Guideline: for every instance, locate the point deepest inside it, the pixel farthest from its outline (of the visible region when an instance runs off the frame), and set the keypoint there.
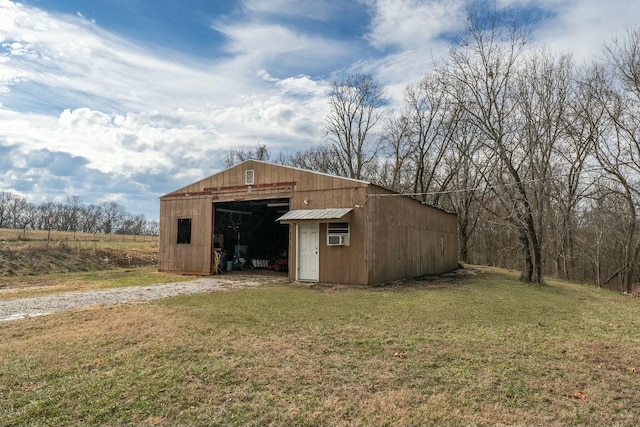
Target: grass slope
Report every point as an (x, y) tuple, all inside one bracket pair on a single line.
[(483, 350), (29, 269), (36, 261)]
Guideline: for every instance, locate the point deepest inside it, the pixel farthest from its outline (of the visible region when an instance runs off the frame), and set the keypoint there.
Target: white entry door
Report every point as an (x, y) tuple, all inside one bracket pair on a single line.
[(308, 258)]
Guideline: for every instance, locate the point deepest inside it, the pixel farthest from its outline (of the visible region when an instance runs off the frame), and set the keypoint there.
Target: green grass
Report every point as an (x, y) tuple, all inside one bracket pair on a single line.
[(483, 350)]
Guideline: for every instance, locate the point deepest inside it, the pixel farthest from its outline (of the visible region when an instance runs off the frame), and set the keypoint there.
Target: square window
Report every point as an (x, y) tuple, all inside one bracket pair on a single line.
[(184, 231)]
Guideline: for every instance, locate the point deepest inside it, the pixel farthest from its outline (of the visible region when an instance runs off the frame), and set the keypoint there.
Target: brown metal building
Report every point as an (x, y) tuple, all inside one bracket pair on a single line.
[(322, 228)]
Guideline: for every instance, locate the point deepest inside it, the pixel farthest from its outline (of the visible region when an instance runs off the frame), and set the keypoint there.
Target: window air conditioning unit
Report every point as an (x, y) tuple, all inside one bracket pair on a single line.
[(338, 234), (337, 240)]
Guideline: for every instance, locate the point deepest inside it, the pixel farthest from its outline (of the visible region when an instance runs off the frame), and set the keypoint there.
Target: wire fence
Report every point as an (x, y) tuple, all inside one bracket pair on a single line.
[(10, 238)]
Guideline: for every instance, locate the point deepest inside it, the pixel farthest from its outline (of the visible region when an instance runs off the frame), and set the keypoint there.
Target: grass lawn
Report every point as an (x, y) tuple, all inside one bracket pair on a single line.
[(484, 349)]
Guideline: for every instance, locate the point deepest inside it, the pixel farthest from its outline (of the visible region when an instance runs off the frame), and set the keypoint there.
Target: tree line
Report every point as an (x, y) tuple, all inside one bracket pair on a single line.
[(539, 157), (72, 215)]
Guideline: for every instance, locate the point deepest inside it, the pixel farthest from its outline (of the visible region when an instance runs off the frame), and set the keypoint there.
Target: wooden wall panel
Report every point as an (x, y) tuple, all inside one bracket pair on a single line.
[(345, 264), (296, 196), (193, 258), (293, 247), (409, 234)]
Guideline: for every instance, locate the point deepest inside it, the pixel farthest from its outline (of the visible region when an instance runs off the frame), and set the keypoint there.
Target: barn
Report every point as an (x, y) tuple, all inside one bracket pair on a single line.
[(318, 227)]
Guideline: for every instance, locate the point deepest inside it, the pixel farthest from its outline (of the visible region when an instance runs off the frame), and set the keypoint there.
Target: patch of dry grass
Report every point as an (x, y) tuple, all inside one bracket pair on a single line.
[(482, 350), (36, 268), (32, 261), (26, 287)]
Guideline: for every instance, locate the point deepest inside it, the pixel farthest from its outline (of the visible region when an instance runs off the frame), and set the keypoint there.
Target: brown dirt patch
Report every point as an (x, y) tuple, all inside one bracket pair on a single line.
[(436, 281)]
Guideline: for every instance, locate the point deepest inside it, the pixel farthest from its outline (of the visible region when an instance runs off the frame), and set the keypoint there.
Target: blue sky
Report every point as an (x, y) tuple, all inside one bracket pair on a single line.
[(126, 100)]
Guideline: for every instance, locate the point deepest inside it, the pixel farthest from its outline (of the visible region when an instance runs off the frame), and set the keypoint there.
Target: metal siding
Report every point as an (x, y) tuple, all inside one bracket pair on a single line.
[(405, 239), (193, 258), (314, 214)]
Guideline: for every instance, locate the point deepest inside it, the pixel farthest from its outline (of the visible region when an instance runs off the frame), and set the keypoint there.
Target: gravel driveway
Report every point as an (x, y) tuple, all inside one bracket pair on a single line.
[(38, 306)]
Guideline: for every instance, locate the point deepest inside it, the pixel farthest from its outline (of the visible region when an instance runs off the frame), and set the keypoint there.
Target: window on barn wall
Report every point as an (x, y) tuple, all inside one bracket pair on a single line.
[(338, 234), (184, 231), (248, 177)]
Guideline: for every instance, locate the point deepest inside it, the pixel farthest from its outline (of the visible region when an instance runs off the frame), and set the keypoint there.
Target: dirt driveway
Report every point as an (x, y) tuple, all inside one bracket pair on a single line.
[(38, 306), (16, 309)]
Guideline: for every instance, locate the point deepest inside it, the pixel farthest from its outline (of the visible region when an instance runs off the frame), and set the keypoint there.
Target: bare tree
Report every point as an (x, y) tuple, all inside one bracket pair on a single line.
[(239, 155), (19, 211), (90, 218), (69, 216), (469, 166), (396, 168), (543, 96), (571, 183), (600, 235), (152, 228), (356, 106), (46, 215), (319, 159), (432, 116), (132, 224), (112, 215), (5, 201), (482, 75), (616, 86)]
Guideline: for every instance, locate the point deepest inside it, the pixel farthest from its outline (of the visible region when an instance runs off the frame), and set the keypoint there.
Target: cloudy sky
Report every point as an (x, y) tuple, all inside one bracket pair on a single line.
[(127, 100)]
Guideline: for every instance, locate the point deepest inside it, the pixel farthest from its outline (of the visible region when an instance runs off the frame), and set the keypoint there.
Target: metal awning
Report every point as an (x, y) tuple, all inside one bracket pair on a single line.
[(314, 214)]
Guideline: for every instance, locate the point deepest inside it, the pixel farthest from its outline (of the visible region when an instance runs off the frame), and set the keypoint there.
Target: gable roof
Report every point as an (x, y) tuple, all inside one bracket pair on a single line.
[(302, 170), (269, 164)]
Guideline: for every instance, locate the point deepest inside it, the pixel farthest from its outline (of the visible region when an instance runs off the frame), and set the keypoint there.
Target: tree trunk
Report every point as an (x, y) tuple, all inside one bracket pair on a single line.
[(463, 240), (527, 273)]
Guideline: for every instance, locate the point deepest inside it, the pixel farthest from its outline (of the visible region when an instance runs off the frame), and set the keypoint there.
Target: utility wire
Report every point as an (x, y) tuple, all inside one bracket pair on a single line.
[(484, 187)]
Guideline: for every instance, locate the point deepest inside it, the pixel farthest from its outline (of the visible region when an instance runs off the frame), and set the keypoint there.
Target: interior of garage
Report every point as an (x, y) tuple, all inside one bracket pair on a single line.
[(247, 235)]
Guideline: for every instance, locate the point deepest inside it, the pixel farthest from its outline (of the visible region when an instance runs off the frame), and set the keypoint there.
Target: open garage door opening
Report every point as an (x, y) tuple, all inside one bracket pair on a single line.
[(247, 236)]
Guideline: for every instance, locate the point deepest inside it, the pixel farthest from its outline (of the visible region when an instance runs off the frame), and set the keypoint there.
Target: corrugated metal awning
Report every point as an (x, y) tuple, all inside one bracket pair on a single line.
[(314, 214)]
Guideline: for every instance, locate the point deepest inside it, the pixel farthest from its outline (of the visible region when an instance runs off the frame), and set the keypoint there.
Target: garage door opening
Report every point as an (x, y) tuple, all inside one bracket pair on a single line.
[(247, 237)]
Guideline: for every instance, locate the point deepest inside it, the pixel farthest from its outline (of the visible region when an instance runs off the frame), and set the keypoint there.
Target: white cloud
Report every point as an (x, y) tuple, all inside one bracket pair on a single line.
[(135, 114), (302, 85), (71, 54), (412, 24), (279, 48), (580, 27), (584, 27), (138, 122)]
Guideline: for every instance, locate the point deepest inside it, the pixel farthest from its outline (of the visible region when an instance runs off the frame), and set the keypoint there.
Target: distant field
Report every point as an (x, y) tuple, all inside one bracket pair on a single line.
[(33, 262), (11, 238), (475, 349)]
